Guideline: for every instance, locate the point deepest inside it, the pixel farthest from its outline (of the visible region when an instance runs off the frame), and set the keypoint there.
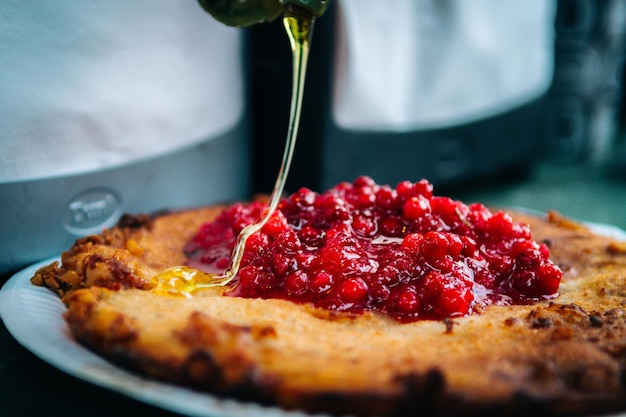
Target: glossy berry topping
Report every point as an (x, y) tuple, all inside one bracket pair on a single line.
[(401, 251)]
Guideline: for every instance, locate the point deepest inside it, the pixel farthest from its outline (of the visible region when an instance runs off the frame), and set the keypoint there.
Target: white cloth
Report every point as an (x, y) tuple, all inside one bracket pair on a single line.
[(91, 84), (418, 64)]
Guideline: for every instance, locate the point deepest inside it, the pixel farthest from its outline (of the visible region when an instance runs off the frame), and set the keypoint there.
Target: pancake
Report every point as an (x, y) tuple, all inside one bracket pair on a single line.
[(563, 356)]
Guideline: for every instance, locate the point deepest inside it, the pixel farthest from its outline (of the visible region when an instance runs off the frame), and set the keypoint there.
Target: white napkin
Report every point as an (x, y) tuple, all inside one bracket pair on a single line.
[(419, 64), (89, 84)]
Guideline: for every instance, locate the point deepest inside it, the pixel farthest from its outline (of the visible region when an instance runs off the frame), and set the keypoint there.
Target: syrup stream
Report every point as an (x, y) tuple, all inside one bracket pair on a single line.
[(184, 280)]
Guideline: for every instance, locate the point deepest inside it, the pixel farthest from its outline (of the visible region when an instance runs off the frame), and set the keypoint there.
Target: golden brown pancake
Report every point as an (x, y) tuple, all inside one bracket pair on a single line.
[(560, 357)]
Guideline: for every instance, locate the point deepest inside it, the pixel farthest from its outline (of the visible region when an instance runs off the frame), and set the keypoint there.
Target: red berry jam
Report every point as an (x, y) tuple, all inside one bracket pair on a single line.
[(362, 246)]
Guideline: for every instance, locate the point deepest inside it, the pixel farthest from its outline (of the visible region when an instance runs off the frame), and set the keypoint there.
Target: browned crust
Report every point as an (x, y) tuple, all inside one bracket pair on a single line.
[(126, 256), (564, 357)]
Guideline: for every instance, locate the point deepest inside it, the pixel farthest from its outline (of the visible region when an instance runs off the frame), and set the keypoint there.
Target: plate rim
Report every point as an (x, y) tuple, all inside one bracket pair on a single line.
[(25, 323)]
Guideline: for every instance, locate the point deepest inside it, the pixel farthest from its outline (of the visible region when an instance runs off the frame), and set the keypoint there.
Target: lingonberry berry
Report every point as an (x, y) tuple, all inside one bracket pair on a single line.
[(321, 282), (296, 282), (416, 207), (353, 290)]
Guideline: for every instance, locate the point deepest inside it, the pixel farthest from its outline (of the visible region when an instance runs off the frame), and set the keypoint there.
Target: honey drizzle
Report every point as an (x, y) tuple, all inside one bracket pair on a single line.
[(184, 280)]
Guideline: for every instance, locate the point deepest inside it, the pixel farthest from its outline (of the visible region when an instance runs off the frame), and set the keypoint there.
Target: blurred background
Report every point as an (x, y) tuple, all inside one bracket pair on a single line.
[(510, 103), (111, 106), (106, 108)]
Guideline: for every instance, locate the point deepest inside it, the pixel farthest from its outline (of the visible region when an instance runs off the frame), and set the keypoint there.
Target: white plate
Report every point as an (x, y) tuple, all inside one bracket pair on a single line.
[(33, 315)]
